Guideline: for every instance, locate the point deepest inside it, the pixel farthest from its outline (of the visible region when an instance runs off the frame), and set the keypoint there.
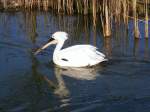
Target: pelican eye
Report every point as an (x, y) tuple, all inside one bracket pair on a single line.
[(51, 39)]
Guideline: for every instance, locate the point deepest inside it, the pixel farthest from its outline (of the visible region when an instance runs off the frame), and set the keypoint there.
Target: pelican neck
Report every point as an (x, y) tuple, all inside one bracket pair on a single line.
[(58, 47)]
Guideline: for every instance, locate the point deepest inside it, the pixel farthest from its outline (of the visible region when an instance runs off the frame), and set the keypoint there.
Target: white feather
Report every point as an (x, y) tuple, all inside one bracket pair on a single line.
[(74, 56), (79, 56)]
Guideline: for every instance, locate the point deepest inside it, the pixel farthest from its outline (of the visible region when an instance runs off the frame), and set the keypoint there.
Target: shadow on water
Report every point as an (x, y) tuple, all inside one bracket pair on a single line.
[(34, 83)]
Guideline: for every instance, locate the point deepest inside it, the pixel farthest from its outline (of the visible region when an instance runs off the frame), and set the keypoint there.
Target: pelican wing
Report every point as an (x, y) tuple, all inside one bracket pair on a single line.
[(80, 55)]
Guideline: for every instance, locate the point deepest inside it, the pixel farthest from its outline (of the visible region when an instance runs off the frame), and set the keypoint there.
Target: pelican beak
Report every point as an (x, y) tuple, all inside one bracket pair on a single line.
[(50, 42)]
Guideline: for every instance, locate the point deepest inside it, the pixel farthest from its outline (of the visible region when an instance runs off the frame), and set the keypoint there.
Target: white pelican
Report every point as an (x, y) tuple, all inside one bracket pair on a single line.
[(74, 56)]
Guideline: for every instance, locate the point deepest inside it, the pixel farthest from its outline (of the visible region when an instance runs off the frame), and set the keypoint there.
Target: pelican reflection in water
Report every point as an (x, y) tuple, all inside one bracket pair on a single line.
[(74, 56), (78, 74)]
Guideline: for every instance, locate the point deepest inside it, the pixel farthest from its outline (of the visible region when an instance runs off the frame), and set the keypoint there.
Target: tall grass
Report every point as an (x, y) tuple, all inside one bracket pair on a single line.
[(136, 28), (107, 9), (146, 18)]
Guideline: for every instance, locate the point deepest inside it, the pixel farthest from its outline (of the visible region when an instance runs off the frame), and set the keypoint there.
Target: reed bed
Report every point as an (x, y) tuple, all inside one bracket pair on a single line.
[(108, 10)]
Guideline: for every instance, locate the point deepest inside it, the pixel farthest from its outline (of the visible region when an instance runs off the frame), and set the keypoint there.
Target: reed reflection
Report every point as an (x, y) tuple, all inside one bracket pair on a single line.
[(94, 35), (108, 46), (33, 26), (146, 50), (76, 27), (86, 29)]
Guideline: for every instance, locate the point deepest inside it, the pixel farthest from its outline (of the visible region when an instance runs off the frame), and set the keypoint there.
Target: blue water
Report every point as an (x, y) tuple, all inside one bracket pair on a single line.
[(30, 83)]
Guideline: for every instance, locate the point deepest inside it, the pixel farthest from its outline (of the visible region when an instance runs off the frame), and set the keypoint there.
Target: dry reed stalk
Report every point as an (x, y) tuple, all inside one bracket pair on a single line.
[(94, 12), (79, 6), (85, 2), (59, 6), (4, 3), (117, 10), (63, 5), (39, 4), (45, 5), (126, 12), (31, 4), (99, 6), (53, 4), (136, 28), (106, 28), (110, 9), (69, 6), (25, 3), (18, 3), (146, 18)]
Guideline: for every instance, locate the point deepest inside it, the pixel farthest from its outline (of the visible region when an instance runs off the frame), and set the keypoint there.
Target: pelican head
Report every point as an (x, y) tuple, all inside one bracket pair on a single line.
[(57, 37), (60, 36)]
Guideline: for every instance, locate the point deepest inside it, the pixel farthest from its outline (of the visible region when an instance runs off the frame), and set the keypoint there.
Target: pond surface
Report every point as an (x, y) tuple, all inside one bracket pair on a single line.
[(30, 83)]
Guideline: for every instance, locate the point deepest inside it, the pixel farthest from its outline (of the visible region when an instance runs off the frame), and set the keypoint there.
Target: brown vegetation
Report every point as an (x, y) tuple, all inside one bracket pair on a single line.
[(107, 9)]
